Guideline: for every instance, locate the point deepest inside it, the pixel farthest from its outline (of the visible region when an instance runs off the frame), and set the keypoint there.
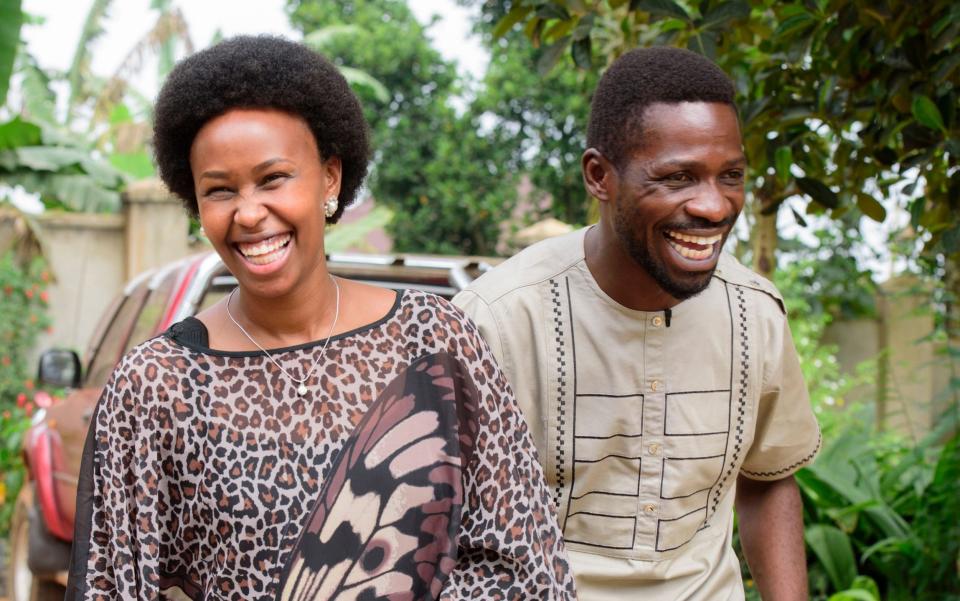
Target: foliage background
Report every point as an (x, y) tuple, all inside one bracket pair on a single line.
[(850, 113)]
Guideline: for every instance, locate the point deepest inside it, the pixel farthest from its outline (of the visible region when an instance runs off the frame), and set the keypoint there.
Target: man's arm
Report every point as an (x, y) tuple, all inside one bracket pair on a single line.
[(771, 532)]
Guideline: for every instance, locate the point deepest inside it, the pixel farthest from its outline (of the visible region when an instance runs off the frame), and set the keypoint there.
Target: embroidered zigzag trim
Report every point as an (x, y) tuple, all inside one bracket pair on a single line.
[(561, 387), (792, 466), (741, 395)]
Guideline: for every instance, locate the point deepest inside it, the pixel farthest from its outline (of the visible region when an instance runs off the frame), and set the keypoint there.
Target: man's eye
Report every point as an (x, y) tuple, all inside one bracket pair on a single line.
[(735, 175), (678, 177)]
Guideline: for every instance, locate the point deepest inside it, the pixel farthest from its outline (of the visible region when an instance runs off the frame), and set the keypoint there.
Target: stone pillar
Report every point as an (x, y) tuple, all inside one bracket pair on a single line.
[(157, 226)]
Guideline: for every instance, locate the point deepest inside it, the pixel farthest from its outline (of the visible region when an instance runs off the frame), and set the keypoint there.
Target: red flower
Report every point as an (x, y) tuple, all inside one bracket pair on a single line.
[(28, 293), (28, 409), (28, 384), (6, 415), (5, 360), (44, 296), (21, 400)]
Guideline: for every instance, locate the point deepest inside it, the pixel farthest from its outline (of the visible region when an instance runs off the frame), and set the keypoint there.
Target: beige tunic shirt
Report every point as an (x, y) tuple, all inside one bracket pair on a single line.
[(643, 420)]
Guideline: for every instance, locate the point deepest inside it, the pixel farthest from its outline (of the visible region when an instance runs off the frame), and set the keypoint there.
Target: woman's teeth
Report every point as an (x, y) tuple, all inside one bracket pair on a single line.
[(265, 251), (693, 247)]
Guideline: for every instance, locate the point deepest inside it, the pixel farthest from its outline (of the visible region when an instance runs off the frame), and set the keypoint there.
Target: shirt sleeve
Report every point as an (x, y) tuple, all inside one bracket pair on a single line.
[(510, 545), (106, 562), (787, 436)]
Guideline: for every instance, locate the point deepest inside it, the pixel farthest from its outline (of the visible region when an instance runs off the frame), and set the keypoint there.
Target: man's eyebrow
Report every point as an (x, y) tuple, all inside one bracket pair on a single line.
[(740, 161)]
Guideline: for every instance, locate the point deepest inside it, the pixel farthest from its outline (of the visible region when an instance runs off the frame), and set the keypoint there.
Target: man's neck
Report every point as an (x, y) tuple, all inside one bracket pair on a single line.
[(619, 275)]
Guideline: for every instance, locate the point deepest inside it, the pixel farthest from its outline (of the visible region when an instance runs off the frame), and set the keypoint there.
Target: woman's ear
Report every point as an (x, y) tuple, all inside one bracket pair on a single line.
[(333, 174), (599, 175)]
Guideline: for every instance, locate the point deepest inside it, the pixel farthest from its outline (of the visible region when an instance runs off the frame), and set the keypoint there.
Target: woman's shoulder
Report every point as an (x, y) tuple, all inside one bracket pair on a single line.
[(430, 308)]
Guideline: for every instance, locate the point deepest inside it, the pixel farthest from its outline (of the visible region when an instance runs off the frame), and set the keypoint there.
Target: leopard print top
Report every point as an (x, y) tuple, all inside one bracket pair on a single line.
[(210, 478)]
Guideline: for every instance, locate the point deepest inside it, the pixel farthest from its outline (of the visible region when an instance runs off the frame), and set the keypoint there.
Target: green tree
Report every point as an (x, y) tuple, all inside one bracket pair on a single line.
[(448, 189), (843, 102), (540, 119)]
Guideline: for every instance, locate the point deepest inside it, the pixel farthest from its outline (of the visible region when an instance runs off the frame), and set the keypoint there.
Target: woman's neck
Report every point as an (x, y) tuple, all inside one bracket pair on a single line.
[(304, 315)]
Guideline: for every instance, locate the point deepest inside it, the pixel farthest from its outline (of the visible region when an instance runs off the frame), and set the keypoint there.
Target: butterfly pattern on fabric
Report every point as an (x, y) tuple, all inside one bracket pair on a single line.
[(386, 520)]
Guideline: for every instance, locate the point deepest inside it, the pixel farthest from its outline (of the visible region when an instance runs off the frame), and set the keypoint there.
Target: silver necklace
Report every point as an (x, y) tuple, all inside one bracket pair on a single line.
[(302, 384)]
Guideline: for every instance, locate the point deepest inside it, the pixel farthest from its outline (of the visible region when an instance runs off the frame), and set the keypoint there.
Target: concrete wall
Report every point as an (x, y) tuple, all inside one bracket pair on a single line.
[(92, 256), (86, 257), (911, 375)]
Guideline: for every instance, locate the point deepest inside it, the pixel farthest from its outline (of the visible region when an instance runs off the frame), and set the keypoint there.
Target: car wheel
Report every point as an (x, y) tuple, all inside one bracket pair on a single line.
[(22, 583)]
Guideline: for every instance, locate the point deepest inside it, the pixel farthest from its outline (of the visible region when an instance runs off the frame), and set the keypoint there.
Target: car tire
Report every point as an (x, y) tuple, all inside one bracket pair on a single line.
[(27, 532)]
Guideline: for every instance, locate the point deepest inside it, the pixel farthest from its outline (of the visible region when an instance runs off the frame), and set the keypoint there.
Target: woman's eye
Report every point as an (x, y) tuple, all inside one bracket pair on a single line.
[(219, 192), (273, 178)]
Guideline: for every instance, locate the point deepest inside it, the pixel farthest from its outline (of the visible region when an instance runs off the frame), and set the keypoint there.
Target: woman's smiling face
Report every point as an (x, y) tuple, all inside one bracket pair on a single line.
[(261, 186)]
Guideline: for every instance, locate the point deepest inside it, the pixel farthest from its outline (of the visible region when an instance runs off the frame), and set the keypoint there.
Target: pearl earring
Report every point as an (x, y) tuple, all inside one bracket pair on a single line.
[(331, 206)]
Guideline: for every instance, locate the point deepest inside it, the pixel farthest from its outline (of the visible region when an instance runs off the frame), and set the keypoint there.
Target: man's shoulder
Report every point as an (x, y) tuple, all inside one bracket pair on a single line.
[(532, 266), (730, 270)]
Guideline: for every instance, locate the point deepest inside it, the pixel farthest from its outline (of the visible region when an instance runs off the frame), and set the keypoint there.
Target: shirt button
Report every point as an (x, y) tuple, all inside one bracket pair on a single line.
[(649, 509), (657, 321), (655, 385), (654, 449)]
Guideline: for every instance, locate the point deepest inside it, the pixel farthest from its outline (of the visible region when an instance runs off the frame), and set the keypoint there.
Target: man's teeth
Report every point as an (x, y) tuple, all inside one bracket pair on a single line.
[(706, 242), (265, 251)]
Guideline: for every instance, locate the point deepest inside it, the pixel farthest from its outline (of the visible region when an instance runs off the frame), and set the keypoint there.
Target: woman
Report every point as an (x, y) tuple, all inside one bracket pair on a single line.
[(308, 437)]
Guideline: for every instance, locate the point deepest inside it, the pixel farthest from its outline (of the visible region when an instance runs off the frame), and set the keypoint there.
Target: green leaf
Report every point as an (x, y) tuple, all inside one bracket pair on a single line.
[(553, 11), (136, 164), (783, 160), (49, 158), (800, 220), (551, 55), (853, 595), (819, 192), (917, 209), (871, 208), (794, 24), (926, 113), (705, 43), (11, 18), (516, 14), (17, 132), (725, 12), (321, 39), (39, 101), (660, 8), (361, 79), (835, 553), (582, 54), (78, 192)]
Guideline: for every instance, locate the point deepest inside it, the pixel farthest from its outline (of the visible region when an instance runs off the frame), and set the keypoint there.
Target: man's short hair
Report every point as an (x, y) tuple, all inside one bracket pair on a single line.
[(643, 77), (259, 72)]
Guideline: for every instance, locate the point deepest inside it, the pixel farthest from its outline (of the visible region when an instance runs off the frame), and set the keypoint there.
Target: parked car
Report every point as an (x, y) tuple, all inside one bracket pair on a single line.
[(42, 526)]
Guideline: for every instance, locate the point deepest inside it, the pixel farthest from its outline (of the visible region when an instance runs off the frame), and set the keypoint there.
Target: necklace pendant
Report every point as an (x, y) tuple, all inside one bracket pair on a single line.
[(302, 390)]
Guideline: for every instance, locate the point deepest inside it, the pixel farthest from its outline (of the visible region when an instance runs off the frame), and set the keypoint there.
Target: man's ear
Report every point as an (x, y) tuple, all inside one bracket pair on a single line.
[(599, 175)]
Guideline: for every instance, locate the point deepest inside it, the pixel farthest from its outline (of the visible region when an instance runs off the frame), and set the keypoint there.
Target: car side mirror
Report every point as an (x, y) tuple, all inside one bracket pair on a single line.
[(59, 368)]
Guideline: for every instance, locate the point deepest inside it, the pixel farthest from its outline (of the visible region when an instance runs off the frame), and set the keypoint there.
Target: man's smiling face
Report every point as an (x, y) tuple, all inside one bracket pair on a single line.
[(678, 195)]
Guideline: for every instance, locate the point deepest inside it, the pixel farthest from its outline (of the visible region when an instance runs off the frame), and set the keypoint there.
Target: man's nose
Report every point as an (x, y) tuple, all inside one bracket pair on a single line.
[(710, 203)]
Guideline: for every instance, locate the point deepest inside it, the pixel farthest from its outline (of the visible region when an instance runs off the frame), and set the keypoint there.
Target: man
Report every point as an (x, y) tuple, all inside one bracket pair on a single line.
[(658, 375)]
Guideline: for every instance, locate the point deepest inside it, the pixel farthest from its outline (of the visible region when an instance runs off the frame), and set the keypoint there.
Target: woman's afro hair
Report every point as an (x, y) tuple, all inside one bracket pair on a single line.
[(259, 72), (643, 77)]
